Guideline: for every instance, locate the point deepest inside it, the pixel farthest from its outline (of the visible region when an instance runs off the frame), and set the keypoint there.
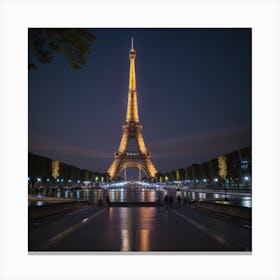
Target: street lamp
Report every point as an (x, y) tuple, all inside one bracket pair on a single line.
[(246, 178)]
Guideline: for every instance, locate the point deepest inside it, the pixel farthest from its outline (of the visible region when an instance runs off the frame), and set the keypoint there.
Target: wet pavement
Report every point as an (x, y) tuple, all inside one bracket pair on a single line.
[(142, 229)]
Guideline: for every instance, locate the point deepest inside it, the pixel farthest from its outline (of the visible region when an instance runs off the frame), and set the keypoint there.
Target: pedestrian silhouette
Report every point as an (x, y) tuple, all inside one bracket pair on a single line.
[(100, 202), (190, 197), (108, 201), (166, 201), (158, 201), (170, 201), (179, 200)]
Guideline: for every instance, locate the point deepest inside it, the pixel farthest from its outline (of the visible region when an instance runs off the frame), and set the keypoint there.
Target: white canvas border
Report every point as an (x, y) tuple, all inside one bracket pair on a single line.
[(262, 16)]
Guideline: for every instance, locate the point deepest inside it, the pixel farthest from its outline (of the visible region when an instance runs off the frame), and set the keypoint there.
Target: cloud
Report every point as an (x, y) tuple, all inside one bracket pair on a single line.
[(202, 145), (36, 145)]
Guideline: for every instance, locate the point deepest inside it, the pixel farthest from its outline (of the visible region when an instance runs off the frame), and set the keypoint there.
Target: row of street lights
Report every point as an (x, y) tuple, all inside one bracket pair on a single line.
[(40, 182), (246, 181)]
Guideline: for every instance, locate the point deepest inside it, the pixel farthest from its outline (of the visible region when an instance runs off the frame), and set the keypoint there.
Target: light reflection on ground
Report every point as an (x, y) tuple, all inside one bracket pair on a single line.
[(134, 234)]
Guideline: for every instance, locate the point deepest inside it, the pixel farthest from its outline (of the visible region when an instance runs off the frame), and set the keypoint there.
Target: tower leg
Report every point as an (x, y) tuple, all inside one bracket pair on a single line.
[(125, 173)]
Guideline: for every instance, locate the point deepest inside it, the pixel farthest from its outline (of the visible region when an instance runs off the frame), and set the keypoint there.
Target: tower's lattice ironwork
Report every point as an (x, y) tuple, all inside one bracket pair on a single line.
[(132, 130)]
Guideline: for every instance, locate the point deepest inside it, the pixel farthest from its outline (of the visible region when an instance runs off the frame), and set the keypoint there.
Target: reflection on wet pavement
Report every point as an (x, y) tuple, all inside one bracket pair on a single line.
[(135, 227)]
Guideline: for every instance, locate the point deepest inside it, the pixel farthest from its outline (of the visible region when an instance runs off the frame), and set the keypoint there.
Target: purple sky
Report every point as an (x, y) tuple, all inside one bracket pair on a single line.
[(194, 97)]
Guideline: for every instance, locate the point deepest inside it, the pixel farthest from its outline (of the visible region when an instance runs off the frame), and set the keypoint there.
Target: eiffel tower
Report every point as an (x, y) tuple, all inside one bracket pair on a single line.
[(132, 130)]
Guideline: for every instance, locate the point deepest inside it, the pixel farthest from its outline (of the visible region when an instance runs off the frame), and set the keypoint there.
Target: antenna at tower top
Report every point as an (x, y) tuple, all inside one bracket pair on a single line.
[(132, 42)]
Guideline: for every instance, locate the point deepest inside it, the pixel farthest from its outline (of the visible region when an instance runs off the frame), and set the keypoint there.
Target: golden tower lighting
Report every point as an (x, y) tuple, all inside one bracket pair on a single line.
[(132, 130)]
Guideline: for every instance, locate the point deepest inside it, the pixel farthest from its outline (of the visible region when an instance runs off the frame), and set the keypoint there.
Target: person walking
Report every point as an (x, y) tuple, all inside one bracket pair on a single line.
[(190, 197), (100, 201), (166, 199), (108, 201), (158, 202), (170, 201), (179, 201)]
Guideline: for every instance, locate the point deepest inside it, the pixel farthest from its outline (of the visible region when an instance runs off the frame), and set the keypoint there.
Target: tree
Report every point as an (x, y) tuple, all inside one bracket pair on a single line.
[(74, 43), (55, 168), (222, 167)]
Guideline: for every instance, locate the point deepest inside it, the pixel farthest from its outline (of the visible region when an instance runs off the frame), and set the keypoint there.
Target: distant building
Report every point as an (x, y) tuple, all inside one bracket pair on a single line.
[(238, 166), (44, 171)]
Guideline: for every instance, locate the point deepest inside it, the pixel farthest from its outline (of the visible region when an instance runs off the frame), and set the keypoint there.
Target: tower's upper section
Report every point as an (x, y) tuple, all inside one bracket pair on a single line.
[(132, 74), (132, 107)]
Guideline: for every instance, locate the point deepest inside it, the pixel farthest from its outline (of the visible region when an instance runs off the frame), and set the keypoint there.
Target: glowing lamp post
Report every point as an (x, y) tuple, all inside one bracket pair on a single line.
[(216, 180), (205, 182), (246, 178)]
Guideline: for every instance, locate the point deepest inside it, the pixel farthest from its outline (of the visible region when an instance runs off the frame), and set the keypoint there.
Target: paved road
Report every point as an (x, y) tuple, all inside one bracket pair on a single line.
[(139, 229)]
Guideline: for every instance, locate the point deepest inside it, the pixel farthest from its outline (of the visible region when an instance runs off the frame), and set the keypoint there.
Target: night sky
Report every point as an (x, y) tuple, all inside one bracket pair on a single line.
[(194, 97)]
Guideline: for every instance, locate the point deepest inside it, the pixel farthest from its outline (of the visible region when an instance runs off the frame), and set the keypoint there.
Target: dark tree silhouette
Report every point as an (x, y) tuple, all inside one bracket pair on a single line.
[(74, 43)]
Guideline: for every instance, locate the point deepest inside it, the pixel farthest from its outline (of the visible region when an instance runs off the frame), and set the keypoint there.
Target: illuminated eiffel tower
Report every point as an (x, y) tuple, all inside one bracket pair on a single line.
[(132, 130)]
